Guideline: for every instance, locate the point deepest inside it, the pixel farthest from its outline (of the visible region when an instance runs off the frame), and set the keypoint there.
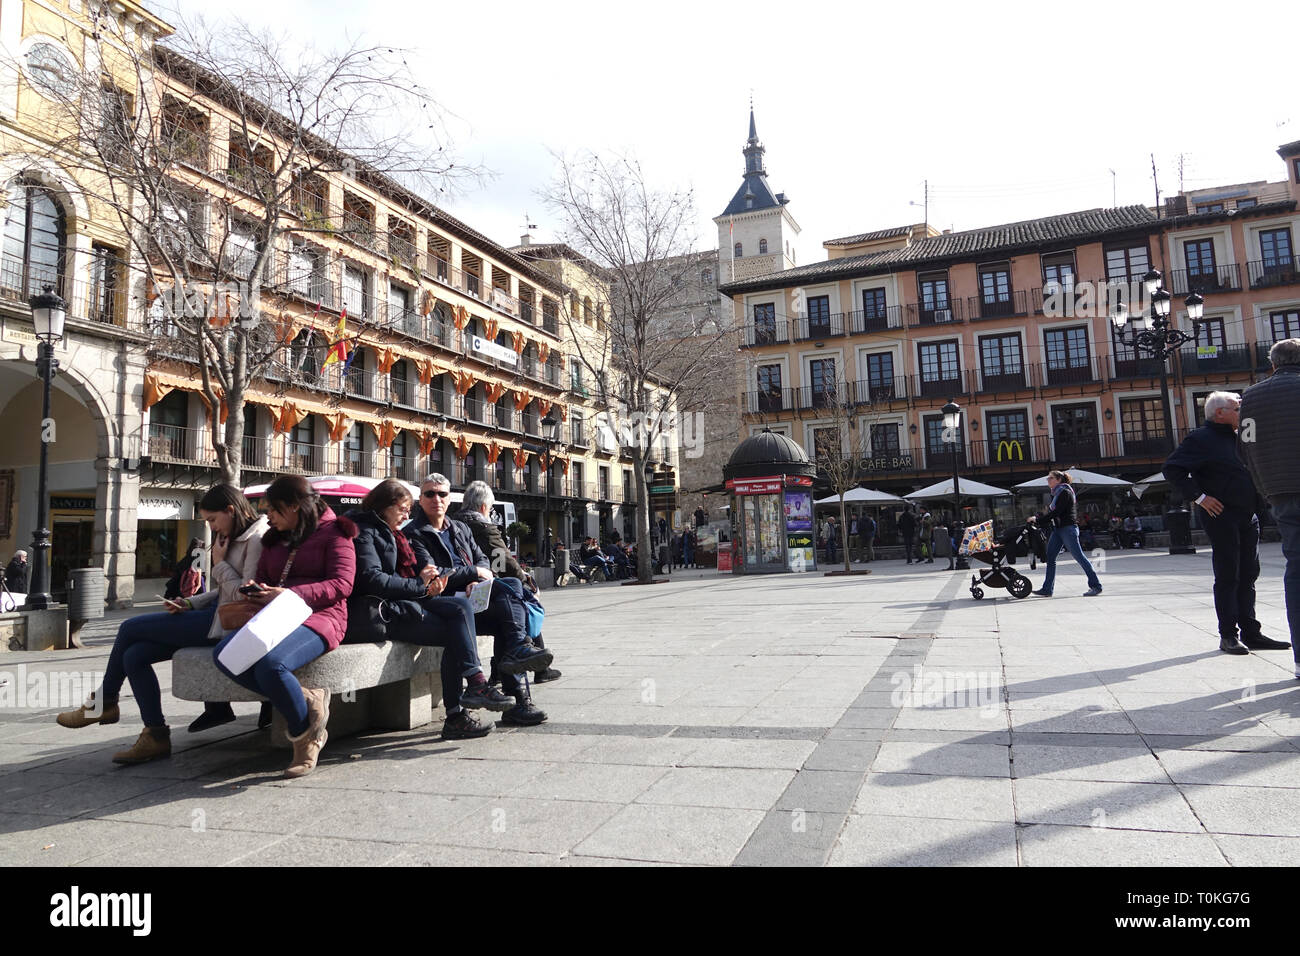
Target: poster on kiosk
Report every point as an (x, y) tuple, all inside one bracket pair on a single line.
[(801, 552)]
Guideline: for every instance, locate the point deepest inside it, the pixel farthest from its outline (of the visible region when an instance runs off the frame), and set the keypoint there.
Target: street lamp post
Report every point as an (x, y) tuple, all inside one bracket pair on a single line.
[(1159, 338), (550, 425), (952, 425), (48, 313)]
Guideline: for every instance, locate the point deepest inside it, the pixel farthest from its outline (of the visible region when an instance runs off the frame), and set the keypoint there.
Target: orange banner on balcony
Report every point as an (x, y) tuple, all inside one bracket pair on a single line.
[(339, 424), (385, 433), (285, 328), (522, 399), (543, 352), (493, 453), (564, 463), (428, 303), (564, 412), (517, 342), (490, 328), (386, 361), (285, 417), (543, 407), (426, 441), (494, 392), (461, 317), (424, 369), (462, 446), (463, 381), (150, 291), (154, 390), (521, 458)]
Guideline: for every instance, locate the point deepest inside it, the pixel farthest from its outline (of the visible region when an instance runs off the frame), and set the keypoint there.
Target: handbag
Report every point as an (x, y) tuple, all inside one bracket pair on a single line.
[(235, 614), (369, 617)]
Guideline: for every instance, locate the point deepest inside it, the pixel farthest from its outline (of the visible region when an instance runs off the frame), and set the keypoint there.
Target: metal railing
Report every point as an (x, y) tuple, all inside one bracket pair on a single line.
[(176, 443), (1052, 375), (1224, 278), (809, 328), (1269, 273), (1210, 361), (945, 312), (874, 320), (997, 306), (930, 386), (1128, 366), (770, 401), (776, 332), (867, 392)]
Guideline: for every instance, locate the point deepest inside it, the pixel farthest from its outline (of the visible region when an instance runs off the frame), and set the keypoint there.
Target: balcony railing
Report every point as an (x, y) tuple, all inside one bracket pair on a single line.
[(359, 465), (928, 386), (1261, 355), (1130, 366), (874, 320), (1224, 278), (827, 397), (1004, 380), (770, 401), (945, 312), (869, 392), (1269, 273), (1211, 361), (302, 458), (175, 443), (809, 328), (980, 307), (1070, 373), (102, 302), (776, 332), (256, 451)]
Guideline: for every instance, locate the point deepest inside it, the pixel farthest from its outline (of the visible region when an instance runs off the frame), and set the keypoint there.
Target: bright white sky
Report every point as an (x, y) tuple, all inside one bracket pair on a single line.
[(1011, 110)]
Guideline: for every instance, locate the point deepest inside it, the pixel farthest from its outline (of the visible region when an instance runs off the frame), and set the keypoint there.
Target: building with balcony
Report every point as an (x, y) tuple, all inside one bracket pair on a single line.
[(1005, 321), (58, 236)]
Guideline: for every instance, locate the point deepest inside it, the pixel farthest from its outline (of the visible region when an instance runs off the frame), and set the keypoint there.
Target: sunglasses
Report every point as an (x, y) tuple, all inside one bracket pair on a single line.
[(436, 494)]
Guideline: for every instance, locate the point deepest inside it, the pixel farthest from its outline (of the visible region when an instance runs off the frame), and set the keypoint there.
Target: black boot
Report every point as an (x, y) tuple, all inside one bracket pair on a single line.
[(264, 716), (215, 713), (523, 714), (541, 677)]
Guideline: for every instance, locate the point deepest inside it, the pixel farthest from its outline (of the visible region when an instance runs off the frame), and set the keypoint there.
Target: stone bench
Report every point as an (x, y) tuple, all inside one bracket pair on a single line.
[(388, 686)]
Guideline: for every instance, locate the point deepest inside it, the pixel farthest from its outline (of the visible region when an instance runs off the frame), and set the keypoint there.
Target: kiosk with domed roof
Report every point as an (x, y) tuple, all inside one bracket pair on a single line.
[(769, 483)]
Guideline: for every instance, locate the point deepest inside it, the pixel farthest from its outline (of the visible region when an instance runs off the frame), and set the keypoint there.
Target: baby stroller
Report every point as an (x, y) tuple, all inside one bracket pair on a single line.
[(1023, 540)]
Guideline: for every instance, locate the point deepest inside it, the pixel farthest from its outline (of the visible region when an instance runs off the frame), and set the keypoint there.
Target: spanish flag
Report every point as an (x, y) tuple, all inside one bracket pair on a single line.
[(338, 350)]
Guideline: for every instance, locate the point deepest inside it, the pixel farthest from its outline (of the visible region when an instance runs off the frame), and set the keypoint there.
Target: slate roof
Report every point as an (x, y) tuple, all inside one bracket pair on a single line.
[(755, 183), (1071, 227), (1289, 149), (894, 233)]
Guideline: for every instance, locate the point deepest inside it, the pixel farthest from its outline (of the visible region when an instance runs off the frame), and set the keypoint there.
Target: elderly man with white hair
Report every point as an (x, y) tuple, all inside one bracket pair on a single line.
[(1208, 469)]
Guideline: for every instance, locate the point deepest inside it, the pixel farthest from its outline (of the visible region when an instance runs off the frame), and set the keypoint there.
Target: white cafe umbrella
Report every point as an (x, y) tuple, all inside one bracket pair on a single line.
[(1079, 477), (861, 496), (970, 488)]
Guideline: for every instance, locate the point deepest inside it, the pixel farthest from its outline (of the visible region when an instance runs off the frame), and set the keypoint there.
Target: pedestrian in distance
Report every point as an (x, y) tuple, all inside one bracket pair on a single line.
[(1060, 515), (907, 530), (17, 573), (867, 534), (1268, 411), (1208, 470)]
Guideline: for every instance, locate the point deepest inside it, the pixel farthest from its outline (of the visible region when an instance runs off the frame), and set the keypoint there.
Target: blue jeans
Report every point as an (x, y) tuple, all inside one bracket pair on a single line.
[(147, 640), (445, 622), (1067, 538), (272, 676), (1286, 509), (506, 620)]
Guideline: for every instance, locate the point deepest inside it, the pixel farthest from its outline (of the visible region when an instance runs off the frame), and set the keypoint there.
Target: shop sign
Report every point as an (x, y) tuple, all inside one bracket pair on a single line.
[(756, 486), (799, 552), (72, 503), (499, 352), (1011, 450), (165, 507), (889, 463)]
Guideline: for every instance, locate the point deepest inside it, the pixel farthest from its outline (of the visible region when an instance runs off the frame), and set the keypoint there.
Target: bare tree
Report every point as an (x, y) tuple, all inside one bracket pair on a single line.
[(209, 223), (651, 376), (840, 447)]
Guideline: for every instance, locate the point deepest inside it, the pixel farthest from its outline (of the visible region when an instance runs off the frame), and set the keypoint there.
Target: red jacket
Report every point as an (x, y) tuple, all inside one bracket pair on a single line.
[(322, 573)]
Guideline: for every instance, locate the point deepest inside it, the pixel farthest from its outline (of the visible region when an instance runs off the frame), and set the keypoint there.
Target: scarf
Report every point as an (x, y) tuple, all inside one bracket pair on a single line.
[(405, 556)]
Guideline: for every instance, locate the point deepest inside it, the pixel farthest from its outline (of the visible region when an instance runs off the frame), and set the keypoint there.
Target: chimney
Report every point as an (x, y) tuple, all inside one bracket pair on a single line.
[(1176, 206), (947, 232), (525, 240)]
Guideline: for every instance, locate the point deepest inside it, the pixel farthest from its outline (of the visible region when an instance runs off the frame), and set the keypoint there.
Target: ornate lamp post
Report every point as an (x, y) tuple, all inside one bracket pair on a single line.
[(1155, 335), (952, 426), (48, 314), (550, 434)]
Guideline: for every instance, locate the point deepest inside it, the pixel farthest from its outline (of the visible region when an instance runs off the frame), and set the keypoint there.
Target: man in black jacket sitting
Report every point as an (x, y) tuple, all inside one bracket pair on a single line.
[(451, 546), (1208, 470)]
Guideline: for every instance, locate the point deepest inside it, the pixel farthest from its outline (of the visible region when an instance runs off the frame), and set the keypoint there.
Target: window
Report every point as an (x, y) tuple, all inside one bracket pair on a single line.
[(995, 291), (628, 492), (769, 388), (302, 453), (1000, 361), (827, 445), (934, 296), (577, 428), (116, 112), (762, 247), (1295, 169), (241, 250), (819, 316), (1142, 420), (1127, 263), (739, 250), (1199, 254), (575, 376), (873, 308), (884, 440), (706, 277), (1275, 248), (1059, 268), (105, 274), (880, 377), (1209, 207), (1210, 333), (356, 298), (398, 461), (401, 316), (1068, 357), (1008, 435), (765, 323), (578, 488), (940, 367), (34, 244), (358, 382), (178, 226), (824, 383), (1247, 203), (1284, 325), (939, 452)]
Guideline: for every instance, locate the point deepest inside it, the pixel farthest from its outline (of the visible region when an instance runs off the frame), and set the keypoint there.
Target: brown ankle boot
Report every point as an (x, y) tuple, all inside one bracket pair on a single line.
[(90, 713), (306, 751), (152, 743), (318, 709)]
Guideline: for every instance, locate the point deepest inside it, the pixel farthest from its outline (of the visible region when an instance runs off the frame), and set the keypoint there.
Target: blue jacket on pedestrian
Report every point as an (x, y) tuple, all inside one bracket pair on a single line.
[(1207, 462)]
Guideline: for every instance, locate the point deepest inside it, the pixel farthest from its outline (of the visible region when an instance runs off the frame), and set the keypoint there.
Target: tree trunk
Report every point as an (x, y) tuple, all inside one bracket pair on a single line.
[(844, 530), (644, 557)]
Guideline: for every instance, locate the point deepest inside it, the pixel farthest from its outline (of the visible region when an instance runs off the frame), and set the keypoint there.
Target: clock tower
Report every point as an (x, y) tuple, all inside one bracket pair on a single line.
[(756, 232)]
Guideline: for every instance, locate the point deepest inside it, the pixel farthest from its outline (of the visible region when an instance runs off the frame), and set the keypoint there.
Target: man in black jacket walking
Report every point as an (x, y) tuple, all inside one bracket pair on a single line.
[(1207, 469), (907, 529), (1270, 436)]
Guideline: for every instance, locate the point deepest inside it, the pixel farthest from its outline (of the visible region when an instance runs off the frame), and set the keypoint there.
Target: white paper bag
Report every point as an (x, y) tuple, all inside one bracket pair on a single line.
[(267, 628)]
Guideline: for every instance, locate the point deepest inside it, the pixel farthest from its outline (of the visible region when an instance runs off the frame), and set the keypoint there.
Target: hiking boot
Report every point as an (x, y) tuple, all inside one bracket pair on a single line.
[(152, 743), (462, 726), (90, 713), (318, 709), (214, 715), (526, 657), (485, 696), (306, 751), (541, 677), (523, 714)]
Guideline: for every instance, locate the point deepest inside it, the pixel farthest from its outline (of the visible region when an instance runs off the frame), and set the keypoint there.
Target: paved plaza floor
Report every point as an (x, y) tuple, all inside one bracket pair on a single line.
[(792, 719)]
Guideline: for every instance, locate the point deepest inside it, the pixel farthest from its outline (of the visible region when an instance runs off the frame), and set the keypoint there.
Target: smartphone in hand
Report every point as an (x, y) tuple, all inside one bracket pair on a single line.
[(251, 589)]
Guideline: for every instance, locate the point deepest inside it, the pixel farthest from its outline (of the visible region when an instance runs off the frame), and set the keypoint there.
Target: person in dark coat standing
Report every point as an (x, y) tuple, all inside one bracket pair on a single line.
[(17, 573), (1270, 435), (1208, 470), (907, 529)]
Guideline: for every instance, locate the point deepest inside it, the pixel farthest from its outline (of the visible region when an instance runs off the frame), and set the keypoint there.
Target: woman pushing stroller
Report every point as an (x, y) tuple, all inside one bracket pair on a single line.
[(1065, 534)]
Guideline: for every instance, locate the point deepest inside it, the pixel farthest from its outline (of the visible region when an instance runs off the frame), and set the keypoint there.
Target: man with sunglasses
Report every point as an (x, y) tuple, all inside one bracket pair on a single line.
[(451, 546)]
